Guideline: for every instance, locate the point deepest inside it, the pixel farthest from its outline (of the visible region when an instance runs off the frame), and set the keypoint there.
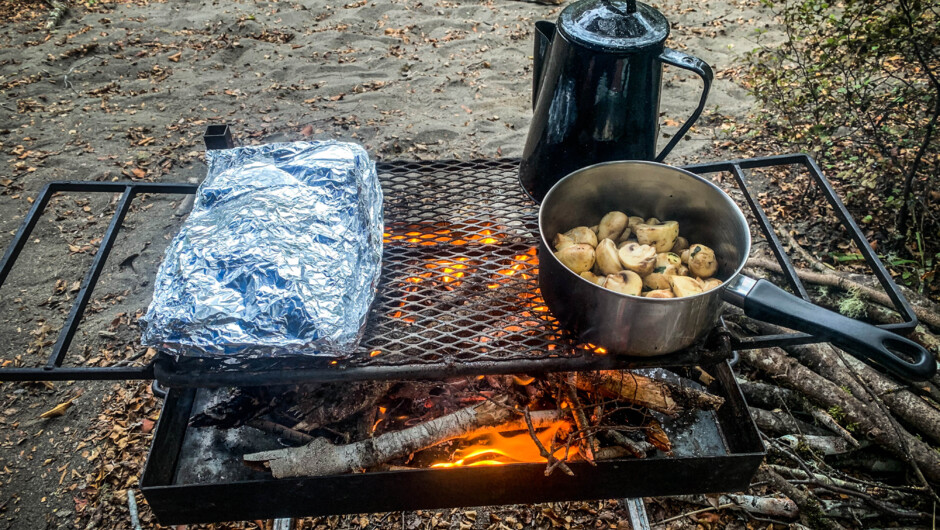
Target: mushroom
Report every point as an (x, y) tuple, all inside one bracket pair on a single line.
[(575, 236), (661, 236), (612, 226), (681, 244), (625, 282), (640, 259), (668, 259), (578, 258), (593, 278), (606, 258), (632, 221), (656, 281), (595, 228), (684, 256), (702, 261), (685, 285), (625, 236), (658, 278), (652, 221), (660, 293), (710, 283)]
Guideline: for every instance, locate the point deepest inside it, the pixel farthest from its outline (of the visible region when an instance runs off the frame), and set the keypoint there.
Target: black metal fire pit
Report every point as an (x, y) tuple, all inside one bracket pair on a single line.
[(195, 475)]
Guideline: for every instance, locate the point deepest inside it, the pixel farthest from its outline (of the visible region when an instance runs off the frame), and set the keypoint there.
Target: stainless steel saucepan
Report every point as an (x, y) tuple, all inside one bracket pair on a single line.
[(638, 326)]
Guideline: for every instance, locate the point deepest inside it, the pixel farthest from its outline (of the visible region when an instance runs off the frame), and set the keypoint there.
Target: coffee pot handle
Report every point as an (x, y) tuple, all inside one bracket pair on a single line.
[(700, 67)]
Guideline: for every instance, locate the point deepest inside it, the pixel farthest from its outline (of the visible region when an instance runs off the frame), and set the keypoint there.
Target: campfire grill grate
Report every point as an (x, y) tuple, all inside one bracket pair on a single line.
[(458, 293)]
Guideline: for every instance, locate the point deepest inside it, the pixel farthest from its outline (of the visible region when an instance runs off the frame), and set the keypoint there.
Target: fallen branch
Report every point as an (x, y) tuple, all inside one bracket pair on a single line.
[(320, 457), (770, 506), (810, 510), (929, 316)]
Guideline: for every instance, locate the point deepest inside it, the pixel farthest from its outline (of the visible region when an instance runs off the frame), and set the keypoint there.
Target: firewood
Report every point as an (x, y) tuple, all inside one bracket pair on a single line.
[(903, 403), (320, 457), (778, 423), (588, 443), (644, 391), (636, 449), (775, 363)]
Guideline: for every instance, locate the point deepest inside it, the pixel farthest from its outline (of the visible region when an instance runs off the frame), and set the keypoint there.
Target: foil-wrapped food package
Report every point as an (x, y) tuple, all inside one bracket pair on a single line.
[(280, 256)]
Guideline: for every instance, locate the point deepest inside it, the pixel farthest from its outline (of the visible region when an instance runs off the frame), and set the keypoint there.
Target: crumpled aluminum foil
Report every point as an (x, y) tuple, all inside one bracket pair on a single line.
[(280, 256)]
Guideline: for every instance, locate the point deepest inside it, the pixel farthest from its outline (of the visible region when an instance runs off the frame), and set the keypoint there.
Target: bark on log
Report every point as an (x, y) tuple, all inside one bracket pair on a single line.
[(320, 457), (775, 363), (780, 423), (906, 405)]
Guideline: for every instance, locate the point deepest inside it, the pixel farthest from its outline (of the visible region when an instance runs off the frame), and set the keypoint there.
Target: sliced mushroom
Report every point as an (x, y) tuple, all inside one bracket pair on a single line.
[(702, 262), (681, 244), (685, 286), (661, 236), (606, 258), (625, 282), (660, 293), (612, 226), (591, 277), (710, 283), (640, 259), (578, 258)]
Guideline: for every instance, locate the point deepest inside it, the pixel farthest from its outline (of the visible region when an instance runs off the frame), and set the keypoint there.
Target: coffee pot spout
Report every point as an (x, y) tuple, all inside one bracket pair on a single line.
[(544, 34)]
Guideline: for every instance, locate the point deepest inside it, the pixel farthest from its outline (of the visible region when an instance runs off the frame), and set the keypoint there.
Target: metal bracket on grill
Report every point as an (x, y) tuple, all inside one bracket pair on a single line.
[(737, 169), (458, 294)]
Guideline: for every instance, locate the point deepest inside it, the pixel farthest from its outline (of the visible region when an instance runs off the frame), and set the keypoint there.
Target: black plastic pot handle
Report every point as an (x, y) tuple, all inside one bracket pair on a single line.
[(765, 301), (700, 67)]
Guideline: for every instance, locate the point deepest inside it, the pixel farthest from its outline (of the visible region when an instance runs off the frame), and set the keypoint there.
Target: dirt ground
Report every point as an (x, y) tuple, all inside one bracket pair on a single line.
[(122, 91)]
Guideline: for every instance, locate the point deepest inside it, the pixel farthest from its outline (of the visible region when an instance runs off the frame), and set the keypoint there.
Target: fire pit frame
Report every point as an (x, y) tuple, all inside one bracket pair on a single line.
[(189, 372), (384, 491)]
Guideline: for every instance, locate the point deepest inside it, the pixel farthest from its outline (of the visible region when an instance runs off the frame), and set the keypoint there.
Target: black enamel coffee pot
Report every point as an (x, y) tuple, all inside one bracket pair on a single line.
[(596, 90)]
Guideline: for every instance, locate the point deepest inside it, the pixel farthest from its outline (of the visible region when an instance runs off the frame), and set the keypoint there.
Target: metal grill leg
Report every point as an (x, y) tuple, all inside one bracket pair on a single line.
[(637, 510)]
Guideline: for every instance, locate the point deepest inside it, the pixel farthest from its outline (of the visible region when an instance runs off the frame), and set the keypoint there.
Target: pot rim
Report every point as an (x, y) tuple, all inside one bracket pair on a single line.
[(746, 251)]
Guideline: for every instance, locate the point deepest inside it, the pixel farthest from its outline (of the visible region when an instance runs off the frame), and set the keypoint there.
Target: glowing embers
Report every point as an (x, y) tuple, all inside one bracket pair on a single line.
[(460, 233)]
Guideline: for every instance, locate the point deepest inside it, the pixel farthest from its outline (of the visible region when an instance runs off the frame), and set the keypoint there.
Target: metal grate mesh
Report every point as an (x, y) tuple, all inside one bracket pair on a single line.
[(459, 276)]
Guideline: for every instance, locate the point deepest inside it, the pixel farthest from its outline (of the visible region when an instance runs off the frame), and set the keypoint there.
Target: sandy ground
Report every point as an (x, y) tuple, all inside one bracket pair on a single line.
[(123, 91)]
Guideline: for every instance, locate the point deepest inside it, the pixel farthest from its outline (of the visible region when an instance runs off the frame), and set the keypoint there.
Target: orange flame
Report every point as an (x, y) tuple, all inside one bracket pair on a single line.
[(495, 449)]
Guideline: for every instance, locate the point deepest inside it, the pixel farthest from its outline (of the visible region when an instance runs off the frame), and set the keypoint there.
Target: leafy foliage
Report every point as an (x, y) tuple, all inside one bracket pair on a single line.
[(858, 85)]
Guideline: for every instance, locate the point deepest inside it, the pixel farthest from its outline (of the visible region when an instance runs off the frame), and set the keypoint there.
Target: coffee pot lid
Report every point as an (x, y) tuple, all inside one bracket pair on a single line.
[(621, 26)]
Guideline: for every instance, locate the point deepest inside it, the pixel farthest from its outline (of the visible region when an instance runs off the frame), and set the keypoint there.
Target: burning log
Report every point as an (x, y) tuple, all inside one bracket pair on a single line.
[(647, 392), (320, 457)]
